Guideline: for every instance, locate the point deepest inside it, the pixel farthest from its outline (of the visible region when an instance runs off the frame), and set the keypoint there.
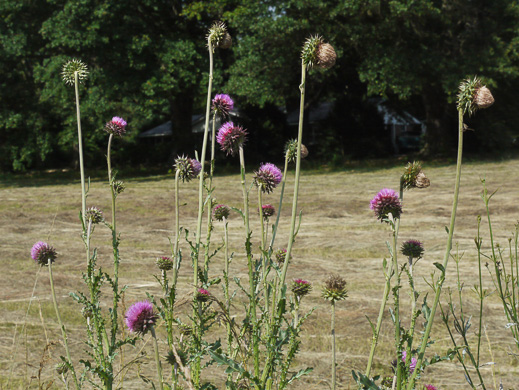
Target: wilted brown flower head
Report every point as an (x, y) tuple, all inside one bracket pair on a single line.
[(334, 288)]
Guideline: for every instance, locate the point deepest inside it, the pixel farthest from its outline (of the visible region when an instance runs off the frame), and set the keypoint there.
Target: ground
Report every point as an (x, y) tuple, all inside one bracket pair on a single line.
[(338, 234)]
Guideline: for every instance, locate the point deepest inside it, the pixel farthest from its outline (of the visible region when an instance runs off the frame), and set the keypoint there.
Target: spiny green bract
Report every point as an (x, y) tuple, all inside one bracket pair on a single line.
[(69, 70)]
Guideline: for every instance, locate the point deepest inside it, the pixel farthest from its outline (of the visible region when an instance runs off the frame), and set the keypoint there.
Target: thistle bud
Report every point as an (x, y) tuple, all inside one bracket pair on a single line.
[(188, 168), (94, 215), (164, 263), (69, 70), (317, 52), (334, 288), (281, 255), (301, 287), (219, 36), (220, 212), (412, 248), (202, 295)]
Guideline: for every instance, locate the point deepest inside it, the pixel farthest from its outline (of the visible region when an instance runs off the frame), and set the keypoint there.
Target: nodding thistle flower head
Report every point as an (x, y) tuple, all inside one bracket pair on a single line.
[(412, 248), (267, 210), (188, 168), (318, 53), (202, 295), (268, 177), (473, 95), (385, 202), (231, 137), (164, 263), (222, 104), (117, 126), (301, 287), (42, 252), (69, 70), (94, 215), (414, 177), (219, 36), (220, 212), (334, 288), (291, 150), (140, 317), (119, 187), (281, 255)]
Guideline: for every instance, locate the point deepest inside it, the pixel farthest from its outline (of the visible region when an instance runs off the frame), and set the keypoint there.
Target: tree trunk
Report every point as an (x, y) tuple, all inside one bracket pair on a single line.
[(439, 136)]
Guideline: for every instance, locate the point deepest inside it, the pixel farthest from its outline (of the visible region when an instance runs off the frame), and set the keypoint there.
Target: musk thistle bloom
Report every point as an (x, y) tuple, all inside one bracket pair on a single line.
[(117, 126), (42, 252), (231, 137), (318, 53), (220, 212), (473, 96), (188, 168), (94, 215), (301, 287), (430, 387), (219, 36), (385, 202), (414, 177), (267, 210), (334, 288), (412, 248), (222, 104), (164, 263), (268, 177), (291, 150), (140, 317), (202, 295), (69, 70)]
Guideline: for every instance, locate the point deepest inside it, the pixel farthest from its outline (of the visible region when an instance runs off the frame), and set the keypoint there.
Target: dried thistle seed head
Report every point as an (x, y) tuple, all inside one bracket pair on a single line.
[(188, 168), (334, 288), (291, 150), (94, 215), (69, 70), (301, 287), (219, 36), (414, 177), (220, 212), (472, 96), (304, 151), (42, 252), (326, 56), (164, 263), (412, 248)]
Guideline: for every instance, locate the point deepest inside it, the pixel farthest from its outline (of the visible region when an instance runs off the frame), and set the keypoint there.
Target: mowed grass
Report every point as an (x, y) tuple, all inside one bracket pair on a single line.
[(338, 234)]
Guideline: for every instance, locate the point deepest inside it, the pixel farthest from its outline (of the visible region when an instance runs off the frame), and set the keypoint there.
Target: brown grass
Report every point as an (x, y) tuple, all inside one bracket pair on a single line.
[(338, 235)]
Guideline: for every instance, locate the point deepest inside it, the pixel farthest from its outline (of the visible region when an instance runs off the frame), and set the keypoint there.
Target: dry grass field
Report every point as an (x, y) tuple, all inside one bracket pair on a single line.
[(338, 234)]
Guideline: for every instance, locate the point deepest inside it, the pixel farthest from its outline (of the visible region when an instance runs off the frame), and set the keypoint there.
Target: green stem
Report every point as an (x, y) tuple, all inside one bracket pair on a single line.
[(428, 328), (62, 327), (209, 201), (262, 248), (396, 292), (177, 217), (157, 358), (80, 147), (334, 364), (226, 287), (275, 226)]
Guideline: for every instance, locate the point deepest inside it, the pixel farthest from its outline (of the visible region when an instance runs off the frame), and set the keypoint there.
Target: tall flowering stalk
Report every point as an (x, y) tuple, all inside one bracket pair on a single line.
[(472, 96)]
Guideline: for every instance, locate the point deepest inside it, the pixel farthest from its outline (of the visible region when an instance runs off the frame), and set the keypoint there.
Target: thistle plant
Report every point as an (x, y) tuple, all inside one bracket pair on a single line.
[(334, 290)]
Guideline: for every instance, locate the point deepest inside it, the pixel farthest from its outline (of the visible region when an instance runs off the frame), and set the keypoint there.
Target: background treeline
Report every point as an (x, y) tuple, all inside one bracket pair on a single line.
[(148, 61)]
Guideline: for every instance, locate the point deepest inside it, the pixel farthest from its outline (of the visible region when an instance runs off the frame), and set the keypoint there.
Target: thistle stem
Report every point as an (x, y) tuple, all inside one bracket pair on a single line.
[(61, 325), (177, 216), (275, 226), (439, 285), (209, 200), (334, 368), (157, 358), (80, 147)]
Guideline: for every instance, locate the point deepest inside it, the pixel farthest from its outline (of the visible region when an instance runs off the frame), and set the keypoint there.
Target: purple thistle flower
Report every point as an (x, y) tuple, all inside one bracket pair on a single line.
[(140, 317), (202, 295), (220, 212), (222, 104), (231, 137), (301, 287), (385, 202), (412, 248), (188, 168), (412, 365), (268, 211), (164, 263), (430, 387), (117, 126), (268, 177), (42, 252)]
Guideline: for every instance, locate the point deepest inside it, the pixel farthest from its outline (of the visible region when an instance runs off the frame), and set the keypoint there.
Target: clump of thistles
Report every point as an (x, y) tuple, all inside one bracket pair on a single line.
[(291, 150), (202, 295), (188, 168), (318, 53), (220, 212), (473, 96), (231, 137), (140, 317), (94, 215), (334, 288), (42, 252), (164, 263), (219, 36), (268, 177), (281, 255), (222, 104), (412, 248), (267, 210), (301, 287), (69, 70), (414, 177), (117, 126), (384, 203)]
